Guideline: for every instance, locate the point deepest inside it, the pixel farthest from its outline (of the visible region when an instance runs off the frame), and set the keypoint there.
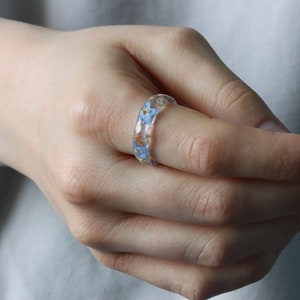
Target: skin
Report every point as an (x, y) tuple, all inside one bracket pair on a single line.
[(224, 201)]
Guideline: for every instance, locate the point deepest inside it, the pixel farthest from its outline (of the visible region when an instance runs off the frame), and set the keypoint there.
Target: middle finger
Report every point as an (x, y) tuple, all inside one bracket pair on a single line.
[(170, 194)]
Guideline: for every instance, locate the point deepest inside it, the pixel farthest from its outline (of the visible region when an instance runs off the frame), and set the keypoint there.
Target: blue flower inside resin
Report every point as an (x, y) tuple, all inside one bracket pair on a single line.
[(148, 113), (140, 151)]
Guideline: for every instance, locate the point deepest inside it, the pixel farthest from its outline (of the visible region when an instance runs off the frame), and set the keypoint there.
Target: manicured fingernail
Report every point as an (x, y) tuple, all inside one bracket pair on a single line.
[(272, 126)]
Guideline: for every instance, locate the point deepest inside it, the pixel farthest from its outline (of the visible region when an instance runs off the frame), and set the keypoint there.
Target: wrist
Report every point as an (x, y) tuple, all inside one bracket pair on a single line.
[(18, 40)]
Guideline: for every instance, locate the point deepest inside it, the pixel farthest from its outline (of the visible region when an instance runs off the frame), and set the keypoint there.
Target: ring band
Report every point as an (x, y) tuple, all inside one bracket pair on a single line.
[(145, 124)]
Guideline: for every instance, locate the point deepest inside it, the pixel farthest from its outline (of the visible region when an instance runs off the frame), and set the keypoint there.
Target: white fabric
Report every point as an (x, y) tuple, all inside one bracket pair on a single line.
[(258, 39)]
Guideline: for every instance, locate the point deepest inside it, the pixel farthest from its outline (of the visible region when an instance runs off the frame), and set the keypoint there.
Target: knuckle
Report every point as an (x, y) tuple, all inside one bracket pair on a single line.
[(85, 113), (80, 180), (215, 252), (232, 94), (72, 183), (197, 288), (219, 205), (188, 199), (117, 261), (105, 258), (202, 155), (191, 206), (96, 115), (83, 230), (91, 232), (194, 293), (181, 37), (209, 162)]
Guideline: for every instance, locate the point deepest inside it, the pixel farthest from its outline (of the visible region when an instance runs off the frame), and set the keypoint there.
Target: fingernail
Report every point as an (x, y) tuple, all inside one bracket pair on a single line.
[(272, 126)]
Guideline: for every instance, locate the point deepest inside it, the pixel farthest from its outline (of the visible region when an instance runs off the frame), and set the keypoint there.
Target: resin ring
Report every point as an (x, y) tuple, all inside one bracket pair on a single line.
[(144, 127)]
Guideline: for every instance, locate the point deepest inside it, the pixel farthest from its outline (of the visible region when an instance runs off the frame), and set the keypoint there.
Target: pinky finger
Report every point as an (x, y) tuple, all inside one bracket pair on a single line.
[(190, 281)]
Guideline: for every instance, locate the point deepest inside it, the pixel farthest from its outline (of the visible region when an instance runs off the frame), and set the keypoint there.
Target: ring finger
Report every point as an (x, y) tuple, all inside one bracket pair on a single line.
[(203, 245), (166, 193)]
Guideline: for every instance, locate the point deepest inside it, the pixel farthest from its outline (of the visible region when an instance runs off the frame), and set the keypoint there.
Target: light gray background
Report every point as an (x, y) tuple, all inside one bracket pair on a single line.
[(258, 39)]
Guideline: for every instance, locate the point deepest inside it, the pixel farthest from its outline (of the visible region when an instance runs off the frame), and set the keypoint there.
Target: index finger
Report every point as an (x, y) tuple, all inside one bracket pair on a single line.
[(189, 141)]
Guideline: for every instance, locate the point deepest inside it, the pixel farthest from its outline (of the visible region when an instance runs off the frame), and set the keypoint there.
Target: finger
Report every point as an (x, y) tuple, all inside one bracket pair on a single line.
[(188, 68), (169, 194), (188, 141), (190, 281), (182, 197), (202, 245), (185, 139)]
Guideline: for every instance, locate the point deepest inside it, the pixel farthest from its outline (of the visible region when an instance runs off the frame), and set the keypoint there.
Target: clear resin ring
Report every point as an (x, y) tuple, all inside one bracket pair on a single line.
[(145, 124)]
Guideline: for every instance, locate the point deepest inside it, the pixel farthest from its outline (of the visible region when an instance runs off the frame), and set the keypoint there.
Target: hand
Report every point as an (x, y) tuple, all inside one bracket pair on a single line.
[(201, 223)]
